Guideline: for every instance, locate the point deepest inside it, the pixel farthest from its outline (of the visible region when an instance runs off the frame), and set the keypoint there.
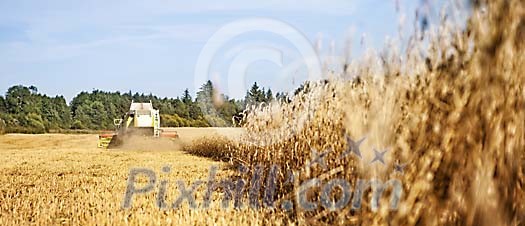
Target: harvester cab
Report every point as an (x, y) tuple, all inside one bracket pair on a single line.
[(141, 120)]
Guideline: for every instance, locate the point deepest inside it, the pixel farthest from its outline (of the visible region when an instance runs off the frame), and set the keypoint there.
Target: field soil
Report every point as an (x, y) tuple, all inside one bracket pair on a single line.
[(65, 179)]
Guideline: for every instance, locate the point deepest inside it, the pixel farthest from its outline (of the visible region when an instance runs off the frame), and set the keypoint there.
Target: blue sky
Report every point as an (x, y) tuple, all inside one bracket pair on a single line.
[(64, 47)]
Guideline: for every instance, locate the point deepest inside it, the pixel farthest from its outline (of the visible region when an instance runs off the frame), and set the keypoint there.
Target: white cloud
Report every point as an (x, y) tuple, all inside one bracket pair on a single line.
[(132, 36), (62, 11), (309, 6), (51, 26), (45, 22)]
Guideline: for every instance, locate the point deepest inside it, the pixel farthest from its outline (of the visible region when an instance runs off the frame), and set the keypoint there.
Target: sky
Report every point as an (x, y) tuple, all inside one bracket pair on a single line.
[(64, 47)]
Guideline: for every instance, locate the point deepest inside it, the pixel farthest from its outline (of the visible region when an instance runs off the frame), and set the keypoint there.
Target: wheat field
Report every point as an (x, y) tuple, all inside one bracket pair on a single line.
[(65, 179), (450, 111), (451, 122)]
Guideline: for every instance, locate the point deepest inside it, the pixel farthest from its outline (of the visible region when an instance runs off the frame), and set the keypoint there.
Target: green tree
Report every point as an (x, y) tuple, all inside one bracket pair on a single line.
[(96, 110), (33, 123), (33, 90), (186, 97), (269, 95), (97, 115), (3, 108), (55, 112), (2, 126), (205, 97), (281, 97), (25, 110), (19, 100), (255, 95), (3, 112), (50, 116), (81, 118), (181, 108)]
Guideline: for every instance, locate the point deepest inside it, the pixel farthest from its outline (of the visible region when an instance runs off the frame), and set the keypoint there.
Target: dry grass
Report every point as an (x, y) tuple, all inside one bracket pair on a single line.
[(188, 134), (65, 179), (456, 117)]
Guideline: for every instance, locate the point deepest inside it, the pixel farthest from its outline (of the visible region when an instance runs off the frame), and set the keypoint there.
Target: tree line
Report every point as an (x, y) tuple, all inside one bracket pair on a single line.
[(25, 110)]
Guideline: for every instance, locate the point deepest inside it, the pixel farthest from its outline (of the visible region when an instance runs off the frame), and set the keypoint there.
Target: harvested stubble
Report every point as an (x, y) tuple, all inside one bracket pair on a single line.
[(456, 118), (57, 179)]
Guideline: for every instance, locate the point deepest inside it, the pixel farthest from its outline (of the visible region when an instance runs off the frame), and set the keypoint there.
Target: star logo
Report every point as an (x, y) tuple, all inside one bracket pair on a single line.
[(319, 158), (400, 168), (353, 147), (379, 156)]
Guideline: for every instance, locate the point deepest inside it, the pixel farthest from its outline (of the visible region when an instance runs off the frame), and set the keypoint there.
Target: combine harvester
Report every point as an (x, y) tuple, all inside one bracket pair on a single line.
[(142, 120)]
